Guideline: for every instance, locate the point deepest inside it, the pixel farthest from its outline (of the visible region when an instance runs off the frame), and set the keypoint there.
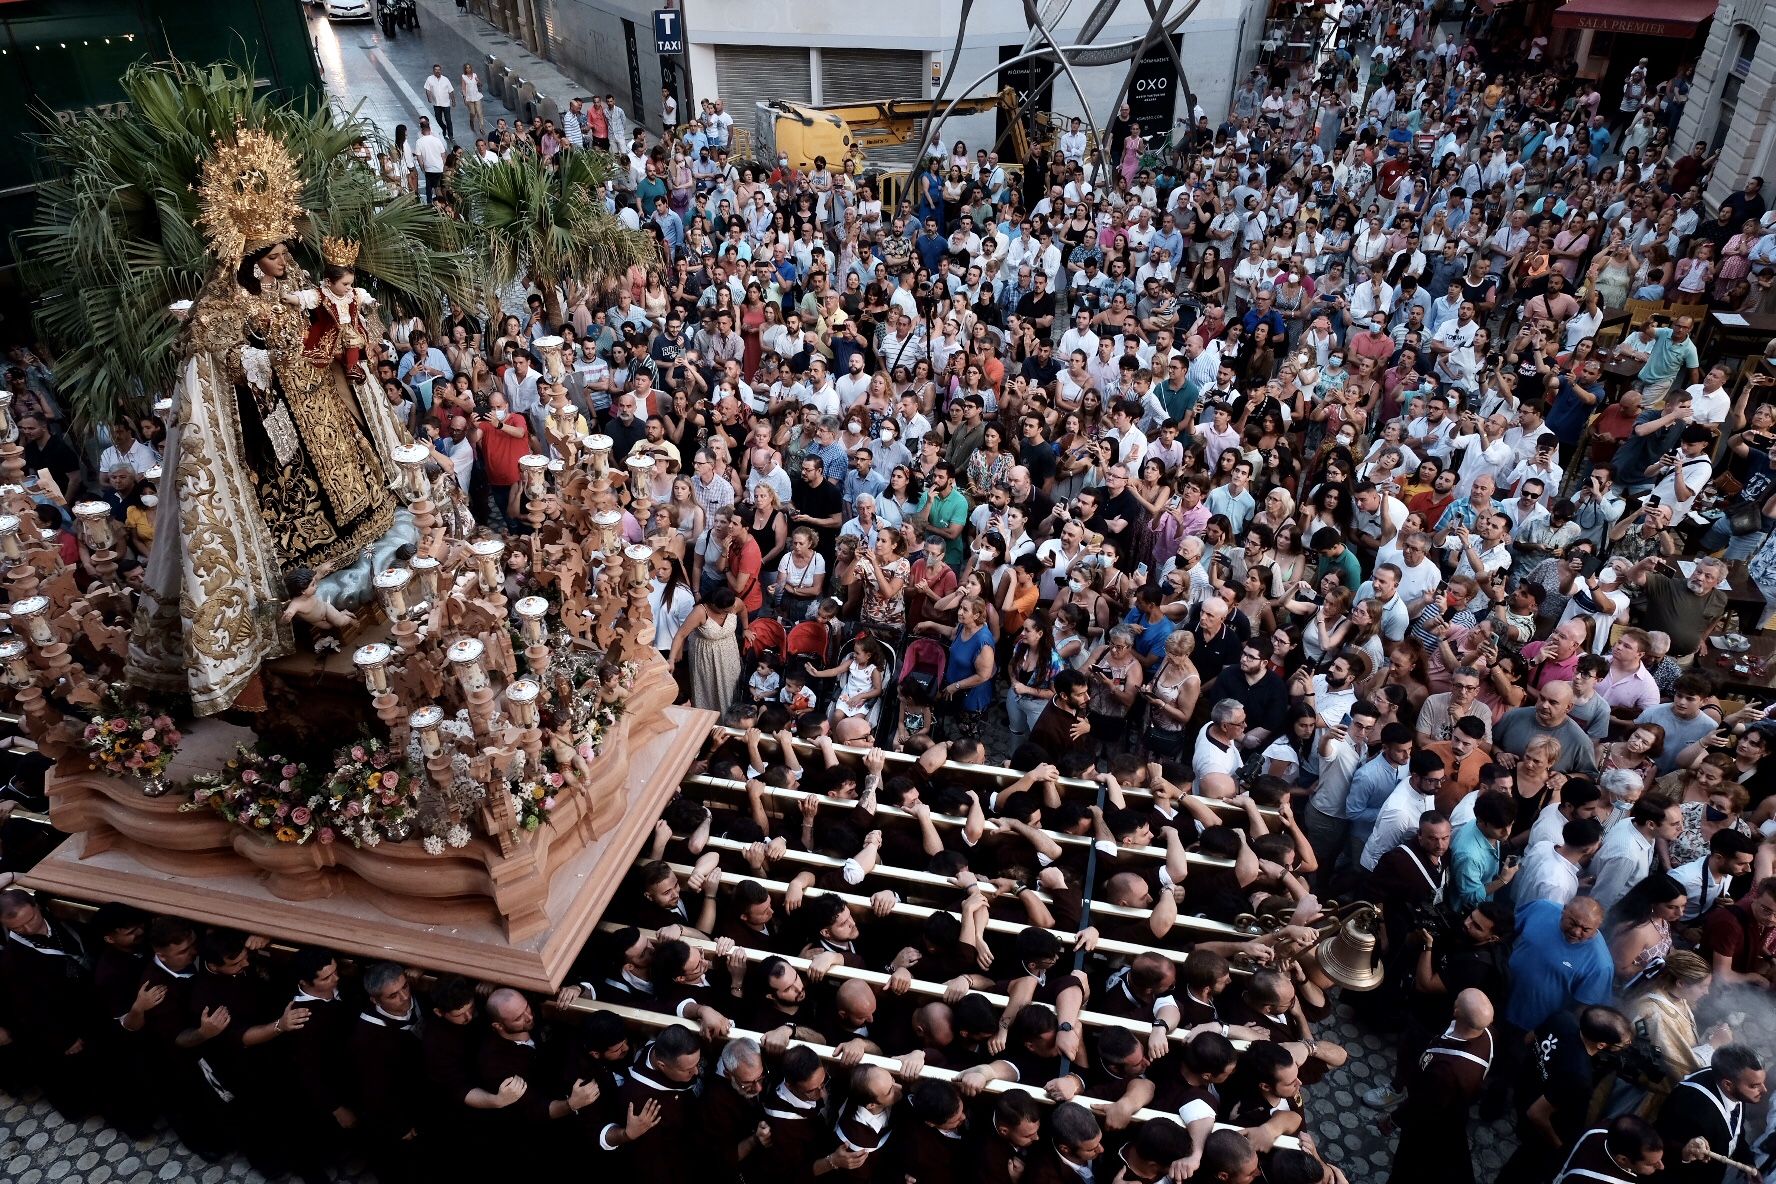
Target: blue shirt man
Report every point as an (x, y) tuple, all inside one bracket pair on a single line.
[(1560, 960)]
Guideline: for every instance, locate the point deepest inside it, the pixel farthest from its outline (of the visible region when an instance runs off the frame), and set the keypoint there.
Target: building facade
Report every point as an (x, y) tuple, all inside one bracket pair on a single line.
[(1732, 103), (828, 53)]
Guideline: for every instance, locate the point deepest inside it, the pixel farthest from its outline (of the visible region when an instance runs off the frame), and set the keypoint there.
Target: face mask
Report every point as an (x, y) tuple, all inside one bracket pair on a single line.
[(885, 436), (1076, 585), (150, 500), (853, 427), (1336, 360), (1714, 813), (984, 556)]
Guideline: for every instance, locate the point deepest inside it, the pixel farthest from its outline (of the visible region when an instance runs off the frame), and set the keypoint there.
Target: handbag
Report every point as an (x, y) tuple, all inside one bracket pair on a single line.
[(1727, 486), (1745, 518)]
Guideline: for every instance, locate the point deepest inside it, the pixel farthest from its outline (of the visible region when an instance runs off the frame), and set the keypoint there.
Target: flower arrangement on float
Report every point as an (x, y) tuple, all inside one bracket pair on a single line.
[(129, 740)]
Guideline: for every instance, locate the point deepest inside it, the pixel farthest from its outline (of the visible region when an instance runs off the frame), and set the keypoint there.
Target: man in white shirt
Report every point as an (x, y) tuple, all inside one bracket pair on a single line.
[(1551, 870), (441, 94), (1400, 813), (1627, 852), (1079, 337), (1072, 143), (1484, 451), (1680, 477), (470, 85), (429, 151), (1707, 879), (1709, 399)]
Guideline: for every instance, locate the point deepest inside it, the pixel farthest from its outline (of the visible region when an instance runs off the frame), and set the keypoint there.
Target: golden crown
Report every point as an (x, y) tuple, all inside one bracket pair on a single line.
[(249, 195), (341, 252)]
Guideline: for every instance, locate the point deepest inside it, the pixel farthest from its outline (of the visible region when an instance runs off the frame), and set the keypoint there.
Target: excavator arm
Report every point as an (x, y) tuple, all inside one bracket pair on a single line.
[(893, 121)]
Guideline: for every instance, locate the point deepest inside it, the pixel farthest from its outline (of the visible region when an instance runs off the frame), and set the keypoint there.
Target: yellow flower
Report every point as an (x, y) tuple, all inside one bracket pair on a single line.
[(287, 834)]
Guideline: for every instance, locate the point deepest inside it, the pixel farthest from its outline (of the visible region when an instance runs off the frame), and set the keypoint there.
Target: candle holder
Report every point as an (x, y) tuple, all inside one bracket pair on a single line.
[(521, 700), (12, 455), (641, 475), (598, 454), (533, 612), (15, 667), (9, 538), (640, 563), (488, 553), (465, 656), (391, 590), (425, 571), (33, 612), (412, 458), (549, 349), (566, 418), (534, 471), (608, 525), (427, 723), (92, 522), (372, 662)]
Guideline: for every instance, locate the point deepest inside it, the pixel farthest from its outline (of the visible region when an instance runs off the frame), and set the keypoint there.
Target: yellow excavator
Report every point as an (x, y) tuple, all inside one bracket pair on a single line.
[(802, 133)]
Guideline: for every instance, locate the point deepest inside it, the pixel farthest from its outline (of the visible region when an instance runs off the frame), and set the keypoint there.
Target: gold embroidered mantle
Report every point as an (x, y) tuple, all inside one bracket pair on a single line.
[(232, 518)]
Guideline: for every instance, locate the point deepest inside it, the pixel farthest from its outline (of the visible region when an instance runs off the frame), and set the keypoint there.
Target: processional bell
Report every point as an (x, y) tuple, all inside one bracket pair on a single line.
[(1349, 957)]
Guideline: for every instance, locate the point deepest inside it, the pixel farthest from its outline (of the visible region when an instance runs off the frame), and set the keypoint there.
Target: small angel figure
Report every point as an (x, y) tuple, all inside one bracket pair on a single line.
[(306, 604), (336, 308)]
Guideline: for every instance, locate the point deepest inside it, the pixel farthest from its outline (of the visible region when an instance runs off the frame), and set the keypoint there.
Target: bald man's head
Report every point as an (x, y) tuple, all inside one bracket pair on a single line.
[(1473, 1010), (1581, 919), (856, 1000)]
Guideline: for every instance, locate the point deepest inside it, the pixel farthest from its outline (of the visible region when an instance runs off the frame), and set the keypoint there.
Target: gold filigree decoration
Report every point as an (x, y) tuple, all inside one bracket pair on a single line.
[(340, 252), (249, 195)]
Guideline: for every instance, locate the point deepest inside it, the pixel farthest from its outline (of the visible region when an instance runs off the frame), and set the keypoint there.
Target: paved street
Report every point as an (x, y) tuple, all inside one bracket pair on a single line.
[(361, 67)]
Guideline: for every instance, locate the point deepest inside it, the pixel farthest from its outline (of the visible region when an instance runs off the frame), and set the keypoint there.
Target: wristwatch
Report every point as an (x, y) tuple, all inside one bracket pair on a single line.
[(1065, 1026)]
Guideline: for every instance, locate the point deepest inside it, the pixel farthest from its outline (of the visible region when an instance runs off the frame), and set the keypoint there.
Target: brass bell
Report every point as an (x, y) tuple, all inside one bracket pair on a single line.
[(1349, 958)]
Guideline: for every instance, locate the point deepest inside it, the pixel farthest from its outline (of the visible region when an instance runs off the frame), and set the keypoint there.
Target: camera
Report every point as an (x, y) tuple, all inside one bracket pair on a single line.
[(1435, 920)]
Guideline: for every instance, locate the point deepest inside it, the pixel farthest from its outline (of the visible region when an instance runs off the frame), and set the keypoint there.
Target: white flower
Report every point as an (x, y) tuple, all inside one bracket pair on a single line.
[(458, 836), (433, 845), (371, 838)]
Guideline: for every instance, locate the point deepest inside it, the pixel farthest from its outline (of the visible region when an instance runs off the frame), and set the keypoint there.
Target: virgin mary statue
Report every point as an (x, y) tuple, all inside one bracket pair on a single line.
[(276, 463)]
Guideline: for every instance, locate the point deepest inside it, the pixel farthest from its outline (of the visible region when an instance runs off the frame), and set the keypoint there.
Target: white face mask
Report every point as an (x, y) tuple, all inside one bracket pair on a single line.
[(984, 556), (885, 436), (1076, 585), (150, 500), (853, 427)]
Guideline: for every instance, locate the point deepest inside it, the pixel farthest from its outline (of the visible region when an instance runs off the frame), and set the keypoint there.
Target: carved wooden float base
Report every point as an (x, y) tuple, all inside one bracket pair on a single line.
[(517, 919)]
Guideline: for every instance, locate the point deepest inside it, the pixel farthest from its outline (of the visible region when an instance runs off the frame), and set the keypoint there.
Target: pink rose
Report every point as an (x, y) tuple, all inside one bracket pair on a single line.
[(300, 816), (326, 834), (92, 730), (161, 721), (358, 752), (250, 776), (548, 803), (289, 771), (555, 779), (283, 811), (388, 799), (284, 786), (147, 733), (353, 809), (151, 749), (390, 780)]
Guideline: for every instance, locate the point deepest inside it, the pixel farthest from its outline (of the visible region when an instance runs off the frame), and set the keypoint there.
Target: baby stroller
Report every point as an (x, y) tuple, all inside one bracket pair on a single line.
[(810, 642), (924, 665), (764, 643)]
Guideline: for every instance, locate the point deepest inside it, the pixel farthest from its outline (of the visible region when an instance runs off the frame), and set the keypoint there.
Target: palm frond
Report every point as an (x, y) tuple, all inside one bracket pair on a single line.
[(115, 238)]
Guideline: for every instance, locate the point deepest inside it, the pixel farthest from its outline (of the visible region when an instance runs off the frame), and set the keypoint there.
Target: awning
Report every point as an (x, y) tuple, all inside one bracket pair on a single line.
[(1644, 18)]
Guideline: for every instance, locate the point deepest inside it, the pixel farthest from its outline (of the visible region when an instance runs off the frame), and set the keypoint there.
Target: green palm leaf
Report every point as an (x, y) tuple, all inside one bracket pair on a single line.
[(115, 239)]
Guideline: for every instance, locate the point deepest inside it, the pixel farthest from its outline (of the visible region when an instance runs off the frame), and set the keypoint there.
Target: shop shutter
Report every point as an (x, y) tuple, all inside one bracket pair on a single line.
[(856, 75), (748, 74)]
